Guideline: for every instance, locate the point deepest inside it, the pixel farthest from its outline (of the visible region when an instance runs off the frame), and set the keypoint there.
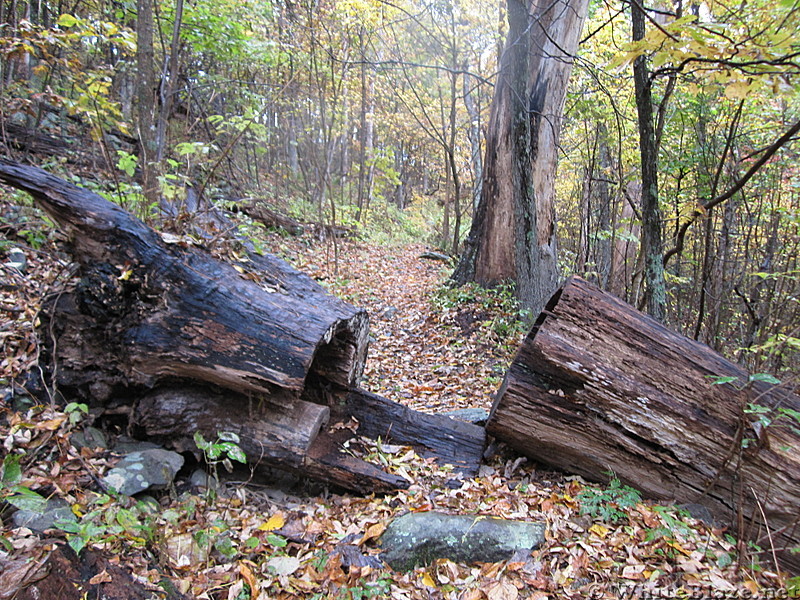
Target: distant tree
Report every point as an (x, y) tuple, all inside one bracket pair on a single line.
[(513, 230), (145, 86), (655, 290)]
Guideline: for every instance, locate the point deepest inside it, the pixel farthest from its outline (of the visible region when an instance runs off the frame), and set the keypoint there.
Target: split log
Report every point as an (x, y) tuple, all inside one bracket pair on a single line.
[(296, 438), (599, 387), (290, 437), (162, 309), (275, 354)]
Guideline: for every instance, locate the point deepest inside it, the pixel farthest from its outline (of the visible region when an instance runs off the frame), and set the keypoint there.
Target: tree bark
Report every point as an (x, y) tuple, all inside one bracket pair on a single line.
[(513, 231), (145, 97), (655, 292), (262, 351), (599, 387)]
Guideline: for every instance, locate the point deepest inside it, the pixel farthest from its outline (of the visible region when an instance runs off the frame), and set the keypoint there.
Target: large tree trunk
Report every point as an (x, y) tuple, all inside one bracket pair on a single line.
[(513, 231), (162, 315), (599, 387)]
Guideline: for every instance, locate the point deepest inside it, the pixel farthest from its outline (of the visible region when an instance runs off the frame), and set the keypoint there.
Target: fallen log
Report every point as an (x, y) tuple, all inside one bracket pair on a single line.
[(598, 387), (164, 309), (308, 437), (260, 350), (256, 209), (447, 440)]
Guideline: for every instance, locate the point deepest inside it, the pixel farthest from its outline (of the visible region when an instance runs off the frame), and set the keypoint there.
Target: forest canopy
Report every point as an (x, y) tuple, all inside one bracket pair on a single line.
[(372, 116)]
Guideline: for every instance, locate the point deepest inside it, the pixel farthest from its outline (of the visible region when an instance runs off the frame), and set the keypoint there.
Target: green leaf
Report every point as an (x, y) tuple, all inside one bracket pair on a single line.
[(721, 380), (765, 377), (127, 519), (225, 546), (12, 472), (25, 499), (200, 441), (228, 436), (276, 540), (77, 544), (234, 452), (252, 543), (66, 20)]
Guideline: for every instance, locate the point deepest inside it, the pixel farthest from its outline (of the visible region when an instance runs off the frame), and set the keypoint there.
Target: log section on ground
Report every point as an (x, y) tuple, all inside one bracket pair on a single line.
[(598, 387), (169, 309), (151, 311), (447, 440)]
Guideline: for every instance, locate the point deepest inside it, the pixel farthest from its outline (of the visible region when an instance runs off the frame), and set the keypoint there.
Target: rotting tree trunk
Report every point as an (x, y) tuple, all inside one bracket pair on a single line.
[(599, 387), (153, 313)]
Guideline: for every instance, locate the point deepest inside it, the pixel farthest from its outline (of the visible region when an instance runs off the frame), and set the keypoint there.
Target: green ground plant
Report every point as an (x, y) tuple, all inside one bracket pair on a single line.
[(609, 504)]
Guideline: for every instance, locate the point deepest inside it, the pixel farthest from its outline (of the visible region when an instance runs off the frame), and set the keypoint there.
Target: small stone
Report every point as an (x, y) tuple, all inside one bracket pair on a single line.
[(201, 479), (17, 260), (55, 510), (139, 471), (90, 437)]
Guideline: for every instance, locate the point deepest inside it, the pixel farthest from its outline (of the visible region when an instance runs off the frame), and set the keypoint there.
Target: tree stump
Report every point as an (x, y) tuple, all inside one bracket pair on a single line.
[(599, 387)]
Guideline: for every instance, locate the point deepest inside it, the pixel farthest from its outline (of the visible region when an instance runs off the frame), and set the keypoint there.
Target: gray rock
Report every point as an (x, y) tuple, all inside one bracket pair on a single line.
[(152, 469), (126, 445), (90, 437), (55, 510), (476, 416), (17, 260), (201, 479), (417, 539)]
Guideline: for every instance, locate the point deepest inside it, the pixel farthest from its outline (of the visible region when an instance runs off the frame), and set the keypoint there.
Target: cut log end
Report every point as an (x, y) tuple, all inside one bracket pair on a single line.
[(598, 387)]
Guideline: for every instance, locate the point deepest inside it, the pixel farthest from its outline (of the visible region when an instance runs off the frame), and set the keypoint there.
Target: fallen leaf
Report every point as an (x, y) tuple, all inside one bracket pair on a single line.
[(102, 577), (373, 532), (599, 530), (284, 565), (502, 590), (276, 521), (428, 580)]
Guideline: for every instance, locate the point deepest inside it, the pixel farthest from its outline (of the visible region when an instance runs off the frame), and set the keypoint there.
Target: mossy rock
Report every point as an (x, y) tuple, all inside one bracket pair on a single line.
[(417, 539)]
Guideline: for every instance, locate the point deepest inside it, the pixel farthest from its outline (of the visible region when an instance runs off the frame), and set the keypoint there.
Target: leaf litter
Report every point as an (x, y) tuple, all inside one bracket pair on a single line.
[(249, 541)]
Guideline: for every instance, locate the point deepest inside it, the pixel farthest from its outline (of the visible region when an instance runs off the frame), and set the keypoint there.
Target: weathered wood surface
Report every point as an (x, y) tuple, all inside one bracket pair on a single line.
[(447, 440), (265, 353), (599, 387), (172, 310), (258, 211), (280, 433)]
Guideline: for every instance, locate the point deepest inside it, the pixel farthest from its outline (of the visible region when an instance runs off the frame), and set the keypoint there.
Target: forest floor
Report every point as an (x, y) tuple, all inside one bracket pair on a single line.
[(432, 349)]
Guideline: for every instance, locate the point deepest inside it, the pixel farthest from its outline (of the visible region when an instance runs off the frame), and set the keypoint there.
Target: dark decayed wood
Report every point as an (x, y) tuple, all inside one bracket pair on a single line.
[(173, 310), (263, 352), (599, 387), (447, 440)]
